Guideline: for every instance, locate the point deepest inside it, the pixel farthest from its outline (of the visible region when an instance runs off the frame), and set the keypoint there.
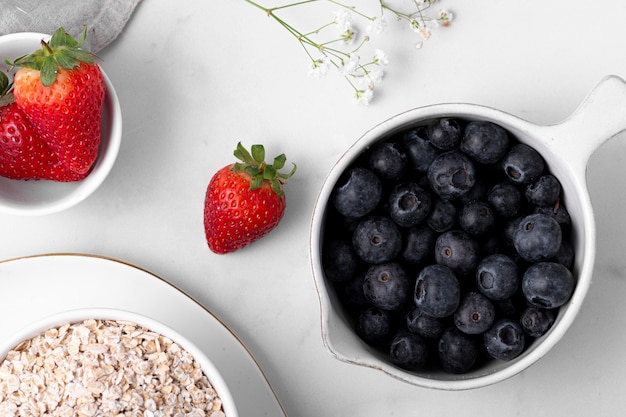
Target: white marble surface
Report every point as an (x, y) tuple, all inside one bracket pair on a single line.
[(194, 77)]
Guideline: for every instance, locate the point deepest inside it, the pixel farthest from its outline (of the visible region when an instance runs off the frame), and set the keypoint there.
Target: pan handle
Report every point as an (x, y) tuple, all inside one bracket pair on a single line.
[(600, 116)]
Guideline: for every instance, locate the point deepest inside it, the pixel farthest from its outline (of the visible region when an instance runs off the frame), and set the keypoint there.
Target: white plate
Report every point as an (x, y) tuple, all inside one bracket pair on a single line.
[(38, 286)]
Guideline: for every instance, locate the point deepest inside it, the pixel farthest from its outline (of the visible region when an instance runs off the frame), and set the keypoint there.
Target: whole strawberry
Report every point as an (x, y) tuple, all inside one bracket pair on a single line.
[(61, 90), (245, 200), (23, 154)]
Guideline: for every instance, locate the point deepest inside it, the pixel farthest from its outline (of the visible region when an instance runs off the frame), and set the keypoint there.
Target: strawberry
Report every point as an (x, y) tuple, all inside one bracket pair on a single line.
[(61, 90), (23, 154), (245, 200)]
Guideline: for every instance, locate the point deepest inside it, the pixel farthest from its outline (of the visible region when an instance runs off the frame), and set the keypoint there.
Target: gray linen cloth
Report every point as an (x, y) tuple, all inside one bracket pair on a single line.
[(104, 19)]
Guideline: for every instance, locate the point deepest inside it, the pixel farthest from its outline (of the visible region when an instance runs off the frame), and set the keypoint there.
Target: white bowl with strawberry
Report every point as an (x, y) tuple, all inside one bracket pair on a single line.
[(60, 123)]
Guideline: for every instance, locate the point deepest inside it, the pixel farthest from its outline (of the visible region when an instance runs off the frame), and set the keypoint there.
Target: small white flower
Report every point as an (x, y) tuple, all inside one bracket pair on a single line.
[(350, 67), (343, 20), (364, 96), (380, 57), (377, 25), (415, 25), (319, 67), (348, 36), (374, 77), (445, 17), (419, 45)]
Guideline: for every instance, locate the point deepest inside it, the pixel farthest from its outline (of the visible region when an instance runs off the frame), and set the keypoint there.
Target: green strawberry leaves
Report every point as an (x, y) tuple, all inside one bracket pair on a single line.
[(253, 163), (62, 51)]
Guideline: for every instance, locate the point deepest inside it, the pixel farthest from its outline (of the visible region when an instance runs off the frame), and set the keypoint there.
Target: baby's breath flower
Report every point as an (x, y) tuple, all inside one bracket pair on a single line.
[(348, 36), (350, 66), (374, 77), (319, 67), (380, 57), (333, 50), (343, 20), (364, 96), (445, 17), (376, 25)]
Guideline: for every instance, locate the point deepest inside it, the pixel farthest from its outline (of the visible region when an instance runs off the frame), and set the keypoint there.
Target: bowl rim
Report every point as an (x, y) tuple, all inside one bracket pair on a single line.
[(106, 313), (397, 123), (78, 191)]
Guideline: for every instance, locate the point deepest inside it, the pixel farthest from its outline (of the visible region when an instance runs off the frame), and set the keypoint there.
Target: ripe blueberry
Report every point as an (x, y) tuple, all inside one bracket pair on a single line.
[(419, 244), (374, 326), (388, 160), (408, 351), (537, 321), (457, 351), (452, 174), (437, 291), (475, 314), (484, 141), (377, 239), (537, 237), (523, 164), (458, 251), (386, 286), (477, 218), (424, 325), (357, 193), (408, 204), (547, 284), (504, 340), (444, 133), (497, 277)]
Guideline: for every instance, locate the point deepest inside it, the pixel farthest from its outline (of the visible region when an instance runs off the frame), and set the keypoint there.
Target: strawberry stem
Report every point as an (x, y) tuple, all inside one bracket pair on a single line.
[(63, 51), (253, 163)]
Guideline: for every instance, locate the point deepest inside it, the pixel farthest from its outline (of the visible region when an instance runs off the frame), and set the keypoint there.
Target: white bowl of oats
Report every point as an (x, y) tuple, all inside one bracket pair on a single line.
[(108, 362)]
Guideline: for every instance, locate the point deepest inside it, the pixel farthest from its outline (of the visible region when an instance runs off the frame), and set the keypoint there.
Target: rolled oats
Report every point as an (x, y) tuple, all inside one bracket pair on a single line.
[(104, 368)]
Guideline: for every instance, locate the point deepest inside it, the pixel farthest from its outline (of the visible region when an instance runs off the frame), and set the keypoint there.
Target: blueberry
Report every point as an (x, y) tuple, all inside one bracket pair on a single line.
[(419, 151), (339, 260), (510, 226), (565, 255), (497, 277), (457, 351), (374, 326), (388, 160), (352, 294), (485, 142), (443, 215), (558, 212), (444, 133), (504, 340), (475, 314), (537, 321), (408, 351), (437, 291), (386, 286), (476, 218), (419, 244), (537, 237), (544, 191), (452, 174), (357, 193), (458, 251), (523, 164), (424, 325), (377, 239), (505, 198), (548, 284), (408, 204)]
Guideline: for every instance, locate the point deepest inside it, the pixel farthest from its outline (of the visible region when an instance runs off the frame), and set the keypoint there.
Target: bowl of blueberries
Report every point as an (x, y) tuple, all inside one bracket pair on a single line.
[(453, 245)]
